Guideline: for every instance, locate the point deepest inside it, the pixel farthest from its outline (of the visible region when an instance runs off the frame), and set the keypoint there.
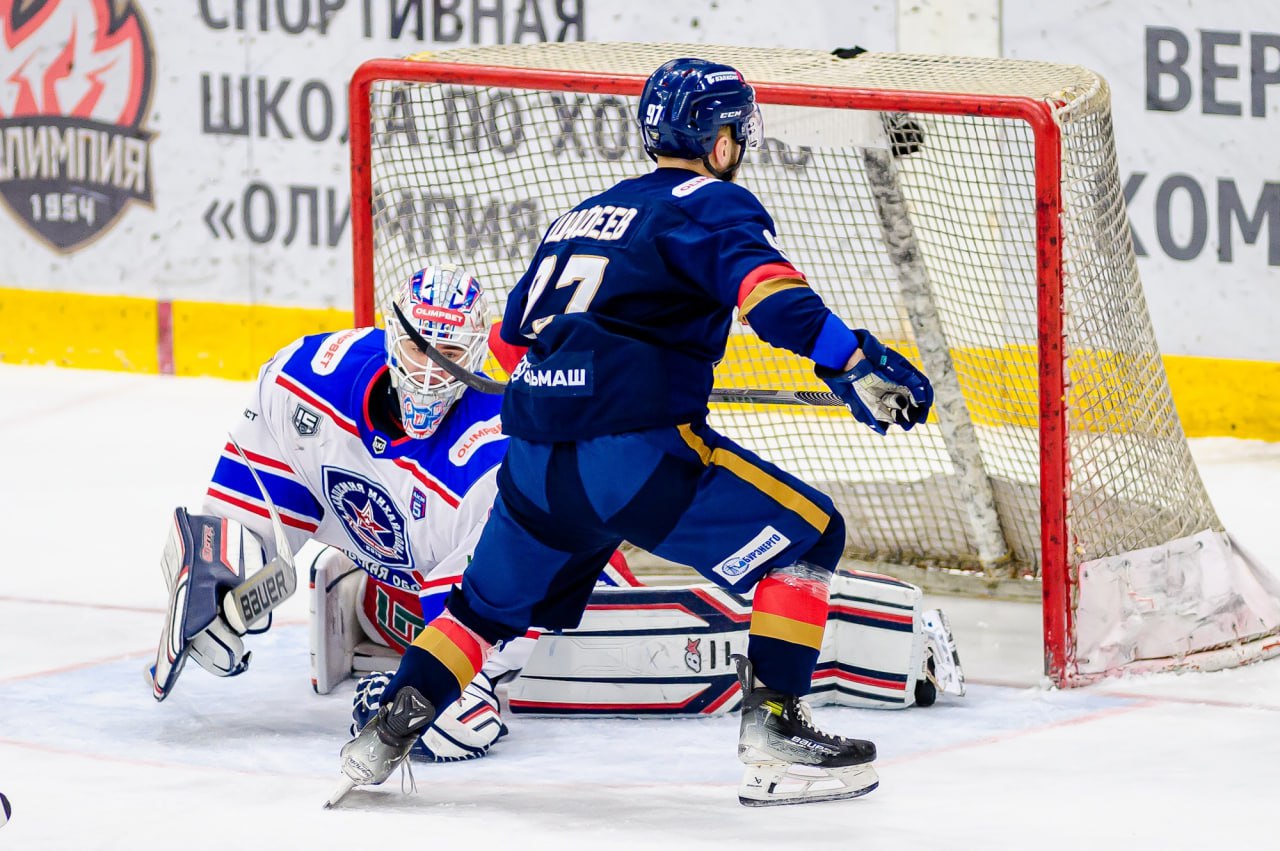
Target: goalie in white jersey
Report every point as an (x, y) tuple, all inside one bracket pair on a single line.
[(364, 444)]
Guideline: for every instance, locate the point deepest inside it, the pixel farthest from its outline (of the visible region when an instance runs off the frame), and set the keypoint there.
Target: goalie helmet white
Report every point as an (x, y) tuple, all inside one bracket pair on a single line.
[(447, 307)]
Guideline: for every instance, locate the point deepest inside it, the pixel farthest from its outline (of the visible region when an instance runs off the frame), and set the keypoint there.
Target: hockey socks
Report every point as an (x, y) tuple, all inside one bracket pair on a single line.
[(789, 614), (442, 660)]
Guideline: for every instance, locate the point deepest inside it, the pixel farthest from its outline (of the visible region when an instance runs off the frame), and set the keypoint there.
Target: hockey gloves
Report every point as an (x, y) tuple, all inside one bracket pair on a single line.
[(204, 558), (883, 388)]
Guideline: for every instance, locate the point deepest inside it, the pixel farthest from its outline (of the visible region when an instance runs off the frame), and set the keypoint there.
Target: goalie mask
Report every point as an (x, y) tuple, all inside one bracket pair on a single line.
[(446, 306)]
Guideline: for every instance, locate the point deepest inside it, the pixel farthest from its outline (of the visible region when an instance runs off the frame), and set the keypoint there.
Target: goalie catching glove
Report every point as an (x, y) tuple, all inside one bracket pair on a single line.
[(218, 587), (883, 388), (465, 729)]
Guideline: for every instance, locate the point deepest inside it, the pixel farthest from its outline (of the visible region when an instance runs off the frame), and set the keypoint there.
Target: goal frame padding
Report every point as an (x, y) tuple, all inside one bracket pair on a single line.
[(1057, 579)]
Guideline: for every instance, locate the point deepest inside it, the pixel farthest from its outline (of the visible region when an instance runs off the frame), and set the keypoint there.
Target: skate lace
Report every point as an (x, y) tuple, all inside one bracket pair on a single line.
[(411, 787), (804, 714)]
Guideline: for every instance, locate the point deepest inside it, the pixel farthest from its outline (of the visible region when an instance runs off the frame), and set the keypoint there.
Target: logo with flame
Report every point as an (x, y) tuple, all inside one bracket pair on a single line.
[(75, 82)]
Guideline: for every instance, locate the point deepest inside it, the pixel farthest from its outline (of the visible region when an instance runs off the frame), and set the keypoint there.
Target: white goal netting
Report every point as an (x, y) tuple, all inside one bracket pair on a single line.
[(920, 217)]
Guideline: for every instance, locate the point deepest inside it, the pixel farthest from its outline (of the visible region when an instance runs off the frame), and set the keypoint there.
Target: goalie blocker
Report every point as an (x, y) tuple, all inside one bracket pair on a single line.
[(662, 650)]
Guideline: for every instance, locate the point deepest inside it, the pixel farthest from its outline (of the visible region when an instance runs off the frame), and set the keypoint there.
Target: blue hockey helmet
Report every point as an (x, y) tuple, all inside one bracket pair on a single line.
[(686, 102)]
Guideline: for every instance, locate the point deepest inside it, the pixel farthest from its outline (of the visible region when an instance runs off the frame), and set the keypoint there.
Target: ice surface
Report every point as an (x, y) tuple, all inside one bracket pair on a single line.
[(91, 464)]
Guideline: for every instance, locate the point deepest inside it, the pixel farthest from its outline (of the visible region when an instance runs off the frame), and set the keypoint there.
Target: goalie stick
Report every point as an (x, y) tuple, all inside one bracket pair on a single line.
[(258, 595), (744, 396)]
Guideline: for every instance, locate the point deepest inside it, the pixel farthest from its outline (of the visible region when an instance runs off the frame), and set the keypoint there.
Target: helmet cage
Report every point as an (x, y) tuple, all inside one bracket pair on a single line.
[(448, 309)]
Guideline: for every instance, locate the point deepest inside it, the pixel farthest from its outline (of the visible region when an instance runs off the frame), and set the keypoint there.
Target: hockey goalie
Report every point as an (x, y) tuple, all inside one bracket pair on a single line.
[(354, 442)]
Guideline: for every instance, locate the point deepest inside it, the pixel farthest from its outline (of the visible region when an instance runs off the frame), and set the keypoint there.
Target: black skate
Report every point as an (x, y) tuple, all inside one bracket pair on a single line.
[(789, 761), (384, 742)]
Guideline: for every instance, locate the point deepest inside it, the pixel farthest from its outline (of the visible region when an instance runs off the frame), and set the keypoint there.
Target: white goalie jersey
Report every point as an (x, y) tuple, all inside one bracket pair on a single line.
[(315, 431)]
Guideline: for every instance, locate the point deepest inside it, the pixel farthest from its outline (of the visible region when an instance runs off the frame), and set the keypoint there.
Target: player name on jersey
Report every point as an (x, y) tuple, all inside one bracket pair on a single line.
[(605, 222)]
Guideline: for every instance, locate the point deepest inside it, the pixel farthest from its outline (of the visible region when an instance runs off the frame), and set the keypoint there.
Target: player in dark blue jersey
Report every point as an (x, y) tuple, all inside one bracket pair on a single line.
[(624, 310)]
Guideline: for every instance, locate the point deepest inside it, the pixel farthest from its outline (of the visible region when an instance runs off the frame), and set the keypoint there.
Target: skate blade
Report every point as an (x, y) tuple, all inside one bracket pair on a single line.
[(779, 784), (341, 792)]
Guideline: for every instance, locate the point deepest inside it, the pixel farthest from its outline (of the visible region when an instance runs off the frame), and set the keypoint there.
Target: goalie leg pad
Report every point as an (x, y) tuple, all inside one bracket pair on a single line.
[(465, 729), (335, 588), (942, 659), (205, 556)]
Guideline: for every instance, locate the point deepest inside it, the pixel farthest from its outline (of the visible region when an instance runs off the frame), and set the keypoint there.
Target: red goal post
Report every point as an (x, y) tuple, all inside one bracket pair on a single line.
[(423, 125)]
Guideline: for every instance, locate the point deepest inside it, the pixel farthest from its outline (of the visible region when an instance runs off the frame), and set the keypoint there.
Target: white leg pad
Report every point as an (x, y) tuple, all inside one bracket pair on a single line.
[(334, 592), (873, 650)]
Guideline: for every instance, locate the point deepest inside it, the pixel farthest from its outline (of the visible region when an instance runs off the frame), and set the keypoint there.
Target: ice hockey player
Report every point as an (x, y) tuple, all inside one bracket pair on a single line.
[(362, 443), (625, 307)]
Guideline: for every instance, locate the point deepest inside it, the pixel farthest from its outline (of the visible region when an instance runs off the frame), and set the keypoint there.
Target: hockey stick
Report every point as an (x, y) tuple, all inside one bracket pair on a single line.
[(466, 376), (745, 396), (268, 588), (752, 396)]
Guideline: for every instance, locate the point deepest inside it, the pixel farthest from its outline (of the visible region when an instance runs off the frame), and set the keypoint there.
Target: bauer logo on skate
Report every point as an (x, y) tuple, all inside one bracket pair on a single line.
[(483, 433), (770, 541), (369, 516)]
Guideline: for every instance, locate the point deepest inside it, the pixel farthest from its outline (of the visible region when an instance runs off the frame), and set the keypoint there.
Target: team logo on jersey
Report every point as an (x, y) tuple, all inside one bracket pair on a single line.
[(767, 544), (693, 654), (418, 504), (306, 422), (76, 88), (370, 517), (379, 444)]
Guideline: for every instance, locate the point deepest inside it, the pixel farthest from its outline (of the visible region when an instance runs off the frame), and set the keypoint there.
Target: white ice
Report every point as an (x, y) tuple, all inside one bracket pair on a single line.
[(91, 464)]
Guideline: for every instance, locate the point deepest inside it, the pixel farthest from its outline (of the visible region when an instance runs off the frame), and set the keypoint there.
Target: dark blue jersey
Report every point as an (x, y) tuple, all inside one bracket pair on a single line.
[(627, 305)]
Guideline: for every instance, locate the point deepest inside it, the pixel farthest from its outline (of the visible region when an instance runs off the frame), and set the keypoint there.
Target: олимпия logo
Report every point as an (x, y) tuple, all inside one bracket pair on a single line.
[(75, 83)]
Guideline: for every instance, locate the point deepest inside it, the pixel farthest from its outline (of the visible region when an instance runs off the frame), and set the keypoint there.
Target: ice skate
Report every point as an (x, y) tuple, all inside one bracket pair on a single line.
[(384, 742), (788, 760)]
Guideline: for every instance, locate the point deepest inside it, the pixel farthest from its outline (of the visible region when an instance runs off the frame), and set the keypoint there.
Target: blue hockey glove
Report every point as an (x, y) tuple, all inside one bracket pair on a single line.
[(883, 388)]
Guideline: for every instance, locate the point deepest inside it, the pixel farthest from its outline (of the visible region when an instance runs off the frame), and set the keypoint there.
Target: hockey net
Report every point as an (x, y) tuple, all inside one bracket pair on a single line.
[(969, 212)]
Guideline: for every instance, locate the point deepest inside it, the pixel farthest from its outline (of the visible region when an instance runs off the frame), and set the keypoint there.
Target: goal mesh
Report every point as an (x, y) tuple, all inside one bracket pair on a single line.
[(950, 270)]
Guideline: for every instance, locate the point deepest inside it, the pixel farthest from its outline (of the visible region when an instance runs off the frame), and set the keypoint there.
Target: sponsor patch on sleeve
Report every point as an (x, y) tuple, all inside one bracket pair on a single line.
[(333, 348), (480, 434)]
